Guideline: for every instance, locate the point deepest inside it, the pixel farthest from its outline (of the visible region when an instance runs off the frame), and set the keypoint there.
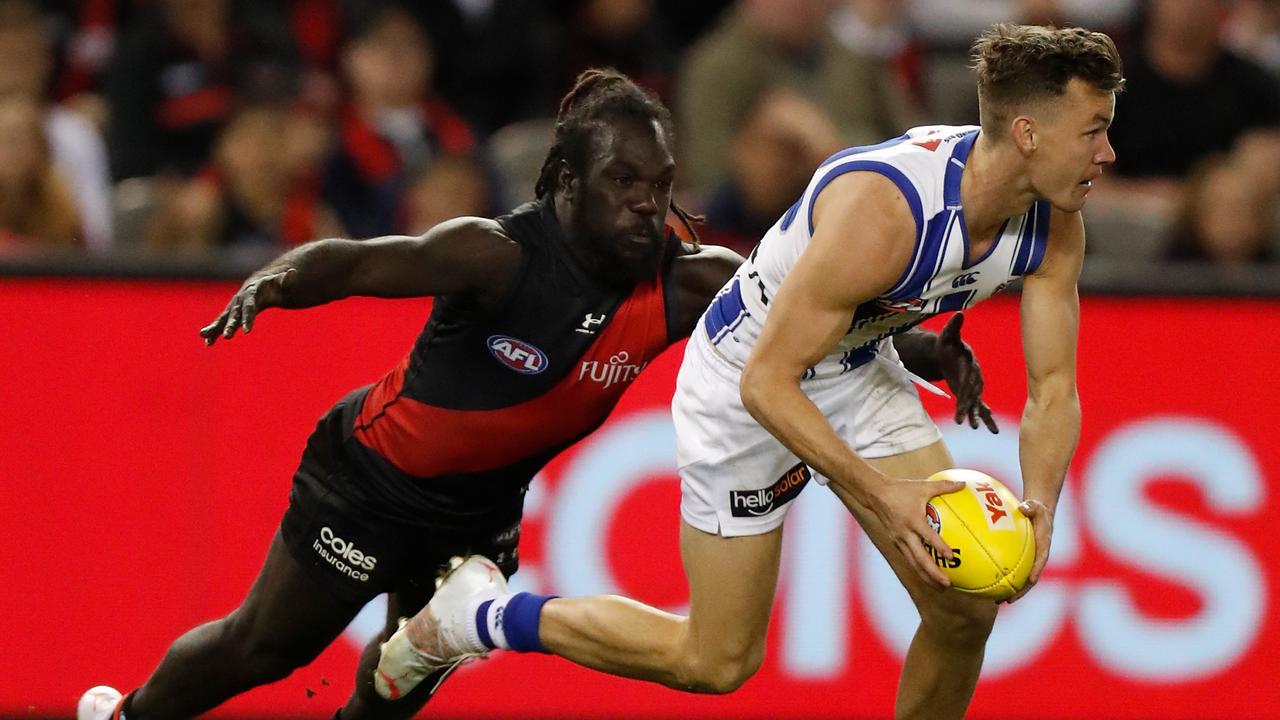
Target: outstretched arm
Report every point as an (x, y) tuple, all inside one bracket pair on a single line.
[(945, 356), (466, 255)]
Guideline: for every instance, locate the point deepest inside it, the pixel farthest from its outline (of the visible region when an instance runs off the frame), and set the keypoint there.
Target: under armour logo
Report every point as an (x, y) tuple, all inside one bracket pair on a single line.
[(589, 322)]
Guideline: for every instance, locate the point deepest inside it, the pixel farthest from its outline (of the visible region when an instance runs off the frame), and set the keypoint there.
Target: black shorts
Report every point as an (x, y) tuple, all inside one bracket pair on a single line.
[(356, 552)]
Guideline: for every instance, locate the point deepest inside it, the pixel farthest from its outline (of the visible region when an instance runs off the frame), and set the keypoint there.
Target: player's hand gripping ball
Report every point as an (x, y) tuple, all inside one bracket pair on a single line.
[(993, 542)]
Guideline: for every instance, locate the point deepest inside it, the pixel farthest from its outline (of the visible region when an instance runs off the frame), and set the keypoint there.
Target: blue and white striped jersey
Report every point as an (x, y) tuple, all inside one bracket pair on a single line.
[(926, 164)]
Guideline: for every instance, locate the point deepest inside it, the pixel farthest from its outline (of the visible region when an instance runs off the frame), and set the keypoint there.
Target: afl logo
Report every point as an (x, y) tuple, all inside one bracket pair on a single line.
[(931, 517), (517, 355)]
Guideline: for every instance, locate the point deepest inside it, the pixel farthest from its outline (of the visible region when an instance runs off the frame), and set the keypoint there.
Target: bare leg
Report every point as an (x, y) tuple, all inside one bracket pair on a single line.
[(715, 649), (286, 620), (945, 657)]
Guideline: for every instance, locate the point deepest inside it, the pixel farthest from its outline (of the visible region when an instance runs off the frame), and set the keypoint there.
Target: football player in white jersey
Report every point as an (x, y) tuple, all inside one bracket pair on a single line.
[(794, 378)]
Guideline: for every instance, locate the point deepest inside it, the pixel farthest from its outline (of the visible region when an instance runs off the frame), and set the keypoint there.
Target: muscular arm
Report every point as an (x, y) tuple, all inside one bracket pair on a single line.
[(698, 276), (863, 239), (933, 356), (466, 255), (1050, 320), (1051, 418), (864, 236), (455, 256)]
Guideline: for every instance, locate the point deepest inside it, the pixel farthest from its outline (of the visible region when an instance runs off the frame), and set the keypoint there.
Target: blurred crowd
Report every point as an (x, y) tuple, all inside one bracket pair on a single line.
[(242, 127)]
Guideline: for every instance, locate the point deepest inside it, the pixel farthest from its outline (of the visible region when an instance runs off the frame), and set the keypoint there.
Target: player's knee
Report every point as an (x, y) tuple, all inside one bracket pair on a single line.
[(261, 659), (959, 621), (721, 673)]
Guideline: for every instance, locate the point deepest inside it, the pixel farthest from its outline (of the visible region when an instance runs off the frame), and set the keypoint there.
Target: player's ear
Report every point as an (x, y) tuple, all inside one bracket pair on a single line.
[(1024, 134), (566, 181)]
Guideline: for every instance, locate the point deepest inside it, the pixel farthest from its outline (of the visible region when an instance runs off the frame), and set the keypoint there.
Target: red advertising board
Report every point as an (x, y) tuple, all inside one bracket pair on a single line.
[(144, 474)]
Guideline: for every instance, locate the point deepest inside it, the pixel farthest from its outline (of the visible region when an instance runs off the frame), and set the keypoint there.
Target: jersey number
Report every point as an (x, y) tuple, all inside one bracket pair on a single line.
[(753, 275)]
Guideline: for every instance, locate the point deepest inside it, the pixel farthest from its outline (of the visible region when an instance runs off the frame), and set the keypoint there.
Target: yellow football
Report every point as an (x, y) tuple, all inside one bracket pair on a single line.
[(993, 542)]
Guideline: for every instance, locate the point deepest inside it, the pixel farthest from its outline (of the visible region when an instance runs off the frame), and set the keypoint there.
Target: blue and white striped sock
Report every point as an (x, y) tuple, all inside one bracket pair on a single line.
[(511, 622)]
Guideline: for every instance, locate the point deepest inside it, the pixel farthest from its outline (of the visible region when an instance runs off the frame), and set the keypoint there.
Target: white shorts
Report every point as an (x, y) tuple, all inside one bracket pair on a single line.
[(736, 478)]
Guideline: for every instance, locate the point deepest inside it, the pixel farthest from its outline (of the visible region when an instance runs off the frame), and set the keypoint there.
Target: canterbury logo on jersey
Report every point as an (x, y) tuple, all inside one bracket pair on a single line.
[(965, 279)]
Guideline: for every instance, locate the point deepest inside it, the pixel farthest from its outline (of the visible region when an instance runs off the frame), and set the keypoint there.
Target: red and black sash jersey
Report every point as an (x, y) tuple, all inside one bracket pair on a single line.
[(486, 397)]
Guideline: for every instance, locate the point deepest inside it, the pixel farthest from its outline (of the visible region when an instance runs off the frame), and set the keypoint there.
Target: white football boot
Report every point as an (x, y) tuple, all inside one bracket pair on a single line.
[(442, 634), (98, 703)]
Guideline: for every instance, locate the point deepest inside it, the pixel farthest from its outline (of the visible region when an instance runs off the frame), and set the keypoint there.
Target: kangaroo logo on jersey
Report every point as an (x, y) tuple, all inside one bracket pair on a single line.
[(901, 306), (517, 355)]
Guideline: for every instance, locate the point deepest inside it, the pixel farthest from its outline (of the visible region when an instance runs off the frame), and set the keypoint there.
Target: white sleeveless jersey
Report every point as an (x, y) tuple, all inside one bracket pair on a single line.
[(926, 164)]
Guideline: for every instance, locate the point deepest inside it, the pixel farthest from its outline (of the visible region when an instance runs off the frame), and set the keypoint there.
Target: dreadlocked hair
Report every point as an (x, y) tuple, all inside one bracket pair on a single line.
[(598, 96)]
